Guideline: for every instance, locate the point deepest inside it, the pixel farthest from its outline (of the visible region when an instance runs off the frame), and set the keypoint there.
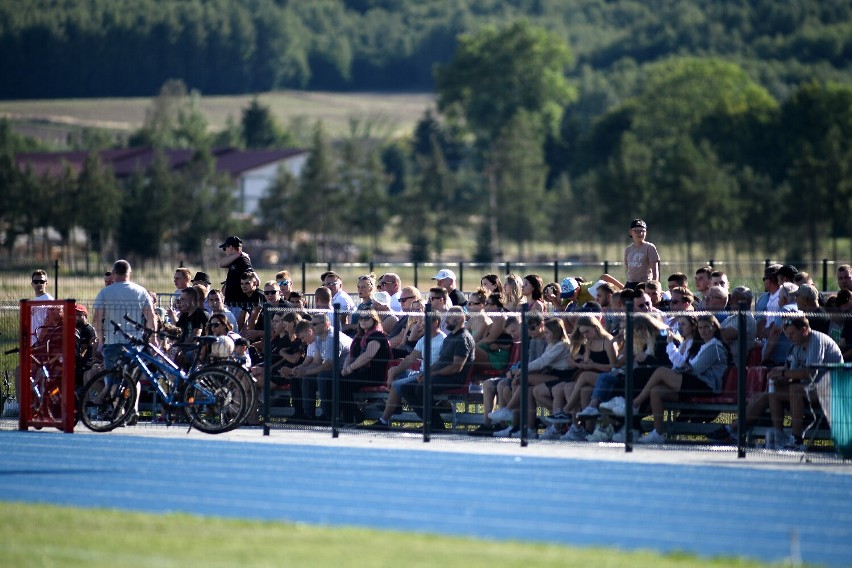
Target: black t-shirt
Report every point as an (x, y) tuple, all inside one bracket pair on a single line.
[(458, 298), (188, 322), (233, 292)]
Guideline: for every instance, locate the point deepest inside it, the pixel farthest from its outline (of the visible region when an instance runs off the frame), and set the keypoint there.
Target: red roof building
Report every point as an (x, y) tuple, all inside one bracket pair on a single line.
[(252, 171)]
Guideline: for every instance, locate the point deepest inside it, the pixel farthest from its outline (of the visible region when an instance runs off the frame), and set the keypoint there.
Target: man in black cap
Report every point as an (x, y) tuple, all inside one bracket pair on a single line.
[(202, 280), (238, 263)]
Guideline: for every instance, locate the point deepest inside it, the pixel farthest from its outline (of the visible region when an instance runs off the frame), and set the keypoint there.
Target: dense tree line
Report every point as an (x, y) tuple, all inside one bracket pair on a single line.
[(91, 48), (541, 132)]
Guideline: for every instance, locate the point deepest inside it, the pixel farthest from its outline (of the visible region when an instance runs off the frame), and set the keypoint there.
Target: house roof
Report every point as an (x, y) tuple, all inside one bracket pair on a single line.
[(126, 161)]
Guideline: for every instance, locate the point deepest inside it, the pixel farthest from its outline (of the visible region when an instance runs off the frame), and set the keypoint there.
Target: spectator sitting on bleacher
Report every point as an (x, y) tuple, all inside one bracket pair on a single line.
[(531, 287), (192, 318), (717, 300), (216, 301), (493, 351), (401, 374), (451, 369), (768, 301), (365, 365), (478, 321), (316, 370), (366, 286), (446, 279), (839, 307), (492, 283), (334, 283), (777, 344), (403, 337), (702, 284), (702, 374), (513, 298), (390, 282), (791, 385), (810, 349), (500, 387), (439, 301), (594, 352), (554, 365), (381, 304), (649, 343), (808, 301)]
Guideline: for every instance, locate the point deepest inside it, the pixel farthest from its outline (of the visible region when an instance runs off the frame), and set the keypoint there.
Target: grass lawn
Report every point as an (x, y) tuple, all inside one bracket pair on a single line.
[(43, 535), (395, 113)]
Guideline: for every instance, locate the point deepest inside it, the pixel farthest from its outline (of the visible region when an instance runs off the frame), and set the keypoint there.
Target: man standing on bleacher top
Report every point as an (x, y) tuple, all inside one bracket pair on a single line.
[(238, 263)]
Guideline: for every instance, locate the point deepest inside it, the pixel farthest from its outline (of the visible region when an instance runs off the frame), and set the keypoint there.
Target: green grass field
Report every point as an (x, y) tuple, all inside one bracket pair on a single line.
[(396, 113), (43, 535)]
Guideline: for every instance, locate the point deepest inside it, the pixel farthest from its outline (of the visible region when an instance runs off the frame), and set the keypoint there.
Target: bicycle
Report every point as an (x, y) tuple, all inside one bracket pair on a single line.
[(213, 400)]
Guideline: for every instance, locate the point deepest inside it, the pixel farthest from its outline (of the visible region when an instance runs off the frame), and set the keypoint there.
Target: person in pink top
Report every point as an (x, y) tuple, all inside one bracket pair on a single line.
[(640, 258)]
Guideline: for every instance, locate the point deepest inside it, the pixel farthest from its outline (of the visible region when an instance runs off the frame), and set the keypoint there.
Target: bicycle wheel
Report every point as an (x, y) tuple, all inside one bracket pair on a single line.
[(246, 380), (215, 400), (108, 399)]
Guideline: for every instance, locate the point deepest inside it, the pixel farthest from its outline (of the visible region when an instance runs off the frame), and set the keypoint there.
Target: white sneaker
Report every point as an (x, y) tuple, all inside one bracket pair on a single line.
[(501, 415), (505, 432), (576, 433), (601, 434), (620, 437), (614, 406), (550, 433), (531, 433), (652, 437), (588, 412)]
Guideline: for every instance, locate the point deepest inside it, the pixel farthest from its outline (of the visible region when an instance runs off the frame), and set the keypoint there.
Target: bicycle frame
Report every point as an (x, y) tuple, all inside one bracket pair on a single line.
[(166, 369)]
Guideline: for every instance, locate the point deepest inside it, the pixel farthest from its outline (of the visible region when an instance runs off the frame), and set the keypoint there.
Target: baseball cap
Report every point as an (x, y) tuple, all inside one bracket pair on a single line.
[(593, 289), (382, 298), (82, 309), (569, 287), (231, 241), (444, 273), (638, 224), (201, 277)]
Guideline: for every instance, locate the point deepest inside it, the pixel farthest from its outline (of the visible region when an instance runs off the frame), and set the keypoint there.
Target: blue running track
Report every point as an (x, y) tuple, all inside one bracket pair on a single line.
[(709, 510)]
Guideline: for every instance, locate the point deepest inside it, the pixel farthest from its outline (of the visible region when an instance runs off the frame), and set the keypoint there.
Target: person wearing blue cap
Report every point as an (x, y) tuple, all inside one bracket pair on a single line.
[(575, 292), (641, 258)]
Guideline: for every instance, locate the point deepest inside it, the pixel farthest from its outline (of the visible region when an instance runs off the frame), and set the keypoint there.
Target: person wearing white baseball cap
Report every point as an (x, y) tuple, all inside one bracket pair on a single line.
[(446, 279)]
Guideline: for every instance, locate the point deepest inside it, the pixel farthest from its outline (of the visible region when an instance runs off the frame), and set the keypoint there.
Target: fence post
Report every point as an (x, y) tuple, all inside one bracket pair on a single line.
[(461, 276), (606, 267), (508, 267), (741, 379), (56, 278), (427, 375), (556, 271), (628, 378), (304, 279), (824, 275), (524, 376), (335, 372), (267, 368), (415, 275)]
